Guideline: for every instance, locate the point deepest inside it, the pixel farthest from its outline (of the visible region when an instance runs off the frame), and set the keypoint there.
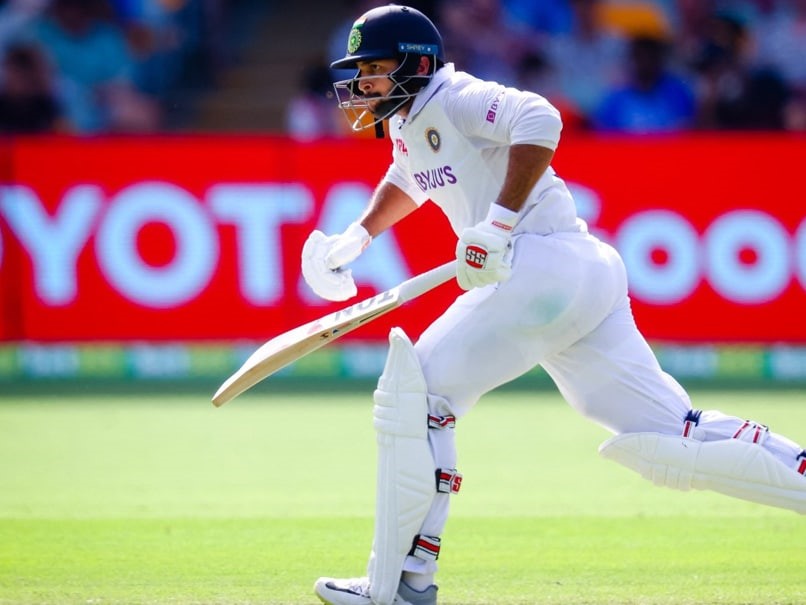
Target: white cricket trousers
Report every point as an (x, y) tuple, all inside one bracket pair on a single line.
[(565, 308)]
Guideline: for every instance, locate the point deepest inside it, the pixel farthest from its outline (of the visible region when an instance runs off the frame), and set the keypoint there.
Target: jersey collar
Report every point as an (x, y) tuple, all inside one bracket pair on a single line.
[(439, 78)]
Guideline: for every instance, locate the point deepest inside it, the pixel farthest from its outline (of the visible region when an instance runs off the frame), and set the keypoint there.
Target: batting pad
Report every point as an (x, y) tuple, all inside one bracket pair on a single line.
[(730, 466), (405, 481)]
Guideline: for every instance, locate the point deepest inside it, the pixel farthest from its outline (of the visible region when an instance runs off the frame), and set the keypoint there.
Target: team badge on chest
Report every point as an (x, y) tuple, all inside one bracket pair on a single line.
[(433, 138)]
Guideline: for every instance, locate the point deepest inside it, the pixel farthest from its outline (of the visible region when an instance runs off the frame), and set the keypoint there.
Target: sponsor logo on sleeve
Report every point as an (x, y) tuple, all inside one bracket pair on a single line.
[(492, 112)]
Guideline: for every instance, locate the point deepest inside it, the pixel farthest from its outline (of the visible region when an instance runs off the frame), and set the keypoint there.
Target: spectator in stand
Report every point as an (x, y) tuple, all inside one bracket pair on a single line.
[(537, 74), (311, 112), (781, 40), (544, 17), (479, 39), (169, 38), (588, 60), (734, 94), (28, 100), (634, 18), (93, 59), (781, 44), (654, 99), (155, 39), (15, 16), (692, 17)]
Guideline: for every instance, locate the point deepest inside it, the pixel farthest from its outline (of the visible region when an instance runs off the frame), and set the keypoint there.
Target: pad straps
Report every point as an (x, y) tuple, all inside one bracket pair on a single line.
[(752, 432), (448, 481), (441, 422), (691, 421), (749, 431), (426, 547)]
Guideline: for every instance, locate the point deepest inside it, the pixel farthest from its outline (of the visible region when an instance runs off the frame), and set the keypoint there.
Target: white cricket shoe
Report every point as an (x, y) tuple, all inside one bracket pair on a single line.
[(355, 591)]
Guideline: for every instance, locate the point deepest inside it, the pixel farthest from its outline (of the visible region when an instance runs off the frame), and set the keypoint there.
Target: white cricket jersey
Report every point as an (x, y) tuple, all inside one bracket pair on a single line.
[(453, 149)]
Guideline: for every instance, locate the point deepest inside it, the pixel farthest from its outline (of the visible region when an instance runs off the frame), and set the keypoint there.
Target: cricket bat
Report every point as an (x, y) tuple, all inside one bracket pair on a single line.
[(286, 348)]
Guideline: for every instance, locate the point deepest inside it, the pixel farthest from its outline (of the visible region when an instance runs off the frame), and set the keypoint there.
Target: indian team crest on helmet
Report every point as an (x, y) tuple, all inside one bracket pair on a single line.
[(354, 40), (433, 138)]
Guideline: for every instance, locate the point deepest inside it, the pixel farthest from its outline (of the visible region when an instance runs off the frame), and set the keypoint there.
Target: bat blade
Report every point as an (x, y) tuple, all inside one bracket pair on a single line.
[(290, 346)]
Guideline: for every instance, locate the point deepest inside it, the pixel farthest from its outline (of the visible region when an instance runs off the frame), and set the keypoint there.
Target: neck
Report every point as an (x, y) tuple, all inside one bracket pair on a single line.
[(403, 112)]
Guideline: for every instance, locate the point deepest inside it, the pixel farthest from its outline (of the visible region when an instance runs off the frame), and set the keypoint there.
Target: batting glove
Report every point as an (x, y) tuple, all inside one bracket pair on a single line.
[(483, 250), (324, 258)]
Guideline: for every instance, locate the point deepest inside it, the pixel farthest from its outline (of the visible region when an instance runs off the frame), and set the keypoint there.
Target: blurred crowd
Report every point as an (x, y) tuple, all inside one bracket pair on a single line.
[(635, 66), (638, 66), (98, 66)]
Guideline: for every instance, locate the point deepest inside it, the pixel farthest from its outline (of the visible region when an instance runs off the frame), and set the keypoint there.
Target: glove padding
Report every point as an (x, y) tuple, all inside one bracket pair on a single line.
[(324, 258), (483, 256)]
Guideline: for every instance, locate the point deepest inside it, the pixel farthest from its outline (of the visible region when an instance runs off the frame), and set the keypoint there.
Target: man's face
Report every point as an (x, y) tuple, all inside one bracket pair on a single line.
[(374, 82)]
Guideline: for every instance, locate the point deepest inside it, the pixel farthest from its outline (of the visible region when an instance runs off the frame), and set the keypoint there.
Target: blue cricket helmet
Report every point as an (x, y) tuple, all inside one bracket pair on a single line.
[(391, 32)]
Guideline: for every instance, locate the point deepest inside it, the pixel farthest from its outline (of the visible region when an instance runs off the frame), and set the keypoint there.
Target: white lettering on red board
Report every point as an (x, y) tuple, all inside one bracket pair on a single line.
[(746, 256), (55, 242)]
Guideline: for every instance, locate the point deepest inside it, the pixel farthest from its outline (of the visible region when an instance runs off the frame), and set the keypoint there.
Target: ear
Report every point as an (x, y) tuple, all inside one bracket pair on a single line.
[(424, 68)]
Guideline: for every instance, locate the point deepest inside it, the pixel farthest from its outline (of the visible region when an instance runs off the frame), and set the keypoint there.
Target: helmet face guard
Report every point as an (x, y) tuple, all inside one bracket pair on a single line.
[(356, 105), (387, 32)]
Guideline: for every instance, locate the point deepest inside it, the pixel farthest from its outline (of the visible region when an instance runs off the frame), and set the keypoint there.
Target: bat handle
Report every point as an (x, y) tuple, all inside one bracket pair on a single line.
[(420, 284)]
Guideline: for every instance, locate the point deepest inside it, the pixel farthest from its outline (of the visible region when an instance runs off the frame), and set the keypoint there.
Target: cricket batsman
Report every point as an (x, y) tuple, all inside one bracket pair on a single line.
[(540, 290)]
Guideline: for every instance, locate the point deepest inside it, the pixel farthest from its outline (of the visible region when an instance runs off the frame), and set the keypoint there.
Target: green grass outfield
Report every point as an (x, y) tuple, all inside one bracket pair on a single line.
[(166, 499)]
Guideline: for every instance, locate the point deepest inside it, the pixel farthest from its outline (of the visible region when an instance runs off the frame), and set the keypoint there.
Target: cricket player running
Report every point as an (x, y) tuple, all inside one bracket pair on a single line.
[(541, 290)]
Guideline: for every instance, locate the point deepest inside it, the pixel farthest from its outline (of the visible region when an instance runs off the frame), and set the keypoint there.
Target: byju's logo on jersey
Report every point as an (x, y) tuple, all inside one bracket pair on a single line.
[(435, 178), (492, 112)]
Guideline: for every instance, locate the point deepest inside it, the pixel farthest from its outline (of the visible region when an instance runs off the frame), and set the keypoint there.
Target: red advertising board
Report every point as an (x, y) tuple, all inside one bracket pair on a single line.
[(198, 238)]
